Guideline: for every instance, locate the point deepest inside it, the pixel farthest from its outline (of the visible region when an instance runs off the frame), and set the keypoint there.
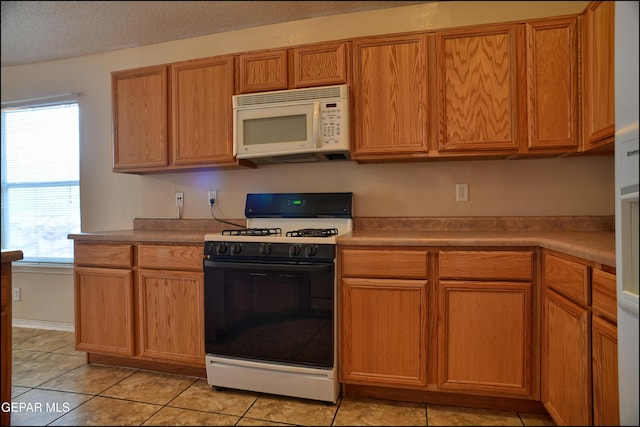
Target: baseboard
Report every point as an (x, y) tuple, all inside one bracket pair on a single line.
[(39, 324)]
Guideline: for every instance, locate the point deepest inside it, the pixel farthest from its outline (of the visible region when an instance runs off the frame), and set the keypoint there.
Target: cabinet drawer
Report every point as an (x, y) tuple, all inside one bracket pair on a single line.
[(567, 277), (103, 254), (603, 294), (180, 257), (400, 264), (483, 265)]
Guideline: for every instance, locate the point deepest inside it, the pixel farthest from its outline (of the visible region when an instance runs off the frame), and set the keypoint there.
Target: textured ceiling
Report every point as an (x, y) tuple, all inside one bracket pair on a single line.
[(35, 31)]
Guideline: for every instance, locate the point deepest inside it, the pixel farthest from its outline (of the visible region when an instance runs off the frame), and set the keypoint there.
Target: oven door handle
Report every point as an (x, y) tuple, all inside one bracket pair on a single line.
[(310, 267)]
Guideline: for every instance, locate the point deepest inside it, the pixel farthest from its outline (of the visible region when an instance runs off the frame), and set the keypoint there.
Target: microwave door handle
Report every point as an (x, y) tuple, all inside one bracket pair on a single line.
[(316, 128)]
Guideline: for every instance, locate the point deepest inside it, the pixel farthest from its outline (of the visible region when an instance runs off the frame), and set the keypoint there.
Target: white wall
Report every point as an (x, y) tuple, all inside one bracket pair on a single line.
[(566, 186)]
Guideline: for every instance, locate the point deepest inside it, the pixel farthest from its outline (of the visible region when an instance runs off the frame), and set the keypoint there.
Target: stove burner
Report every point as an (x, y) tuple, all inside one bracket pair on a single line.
[(252, 232), (313, 232)]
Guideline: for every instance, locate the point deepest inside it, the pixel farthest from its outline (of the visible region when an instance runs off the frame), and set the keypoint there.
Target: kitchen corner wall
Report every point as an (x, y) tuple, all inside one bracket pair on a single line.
[(562, 186)]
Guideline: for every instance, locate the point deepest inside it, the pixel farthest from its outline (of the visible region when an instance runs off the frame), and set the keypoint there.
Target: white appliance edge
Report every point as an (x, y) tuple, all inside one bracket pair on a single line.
[(626, 174), (306, 383)]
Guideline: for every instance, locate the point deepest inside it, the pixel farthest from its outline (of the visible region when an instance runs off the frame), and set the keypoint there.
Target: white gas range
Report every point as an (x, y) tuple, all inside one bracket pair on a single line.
[(270, 296)]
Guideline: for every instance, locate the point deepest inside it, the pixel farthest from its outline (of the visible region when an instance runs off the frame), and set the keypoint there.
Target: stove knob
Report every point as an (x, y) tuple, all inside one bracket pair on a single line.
[(311, 250), (221, 248), (264, 249), (294, 250), (236, 248)]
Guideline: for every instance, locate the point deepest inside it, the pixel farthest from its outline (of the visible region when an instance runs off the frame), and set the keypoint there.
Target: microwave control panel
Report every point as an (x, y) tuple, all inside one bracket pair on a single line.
[(332, 123)]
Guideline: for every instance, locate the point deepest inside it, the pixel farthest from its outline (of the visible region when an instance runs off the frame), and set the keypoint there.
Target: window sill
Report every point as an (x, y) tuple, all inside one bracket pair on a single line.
[(42, 267)]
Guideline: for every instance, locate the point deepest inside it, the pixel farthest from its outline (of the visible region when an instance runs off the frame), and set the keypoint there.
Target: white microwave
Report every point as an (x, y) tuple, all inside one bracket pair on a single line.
[(288, 126)]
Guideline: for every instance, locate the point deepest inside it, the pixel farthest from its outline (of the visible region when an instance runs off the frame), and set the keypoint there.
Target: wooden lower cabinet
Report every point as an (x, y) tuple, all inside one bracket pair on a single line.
[(486, 323), (171, 316), (579, 342), (604, 348), (383, 335), (471, 334), (383, 316), (566, 363), (604, 356), (150, 308), (170, 303), (485, 340), (104, 310)]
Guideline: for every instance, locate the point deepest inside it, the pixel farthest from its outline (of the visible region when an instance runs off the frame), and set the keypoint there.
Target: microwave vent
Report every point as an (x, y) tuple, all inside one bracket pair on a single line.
[(292, 95), (300, 158)]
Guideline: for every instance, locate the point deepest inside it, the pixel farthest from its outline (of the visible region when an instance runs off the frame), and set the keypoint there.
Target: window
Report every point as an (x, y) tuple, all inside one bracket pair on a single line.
[(40, 179)]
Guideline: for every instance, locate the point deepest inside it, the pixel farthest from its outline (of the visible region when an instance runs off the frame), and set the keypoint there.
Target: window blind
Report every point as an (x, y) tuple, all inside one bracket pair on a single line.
[(40, 178)]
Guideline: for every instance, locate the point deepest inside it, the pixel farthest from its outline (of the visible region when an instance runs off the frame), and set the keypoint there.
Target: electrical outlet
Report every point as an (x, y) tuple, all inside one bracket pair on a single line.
[(212, 197), (16, 294), (179, 198), (462, 192)]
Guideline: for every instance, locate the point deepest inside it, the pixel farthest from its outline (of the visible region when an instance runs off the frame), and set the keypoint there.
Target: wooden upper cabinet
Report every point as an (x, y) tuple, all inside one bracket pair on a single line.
[(139, 102), (321, 64), (201, 111), (552, 85), (263, 71), (598, 74), (389, 97), (191, 100), (477, 74)]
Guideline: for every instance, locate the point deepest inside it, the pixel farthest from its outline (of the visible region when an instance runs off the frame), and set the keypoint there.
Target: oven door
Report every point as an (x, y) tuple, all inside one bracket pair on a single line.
[(275, 312)]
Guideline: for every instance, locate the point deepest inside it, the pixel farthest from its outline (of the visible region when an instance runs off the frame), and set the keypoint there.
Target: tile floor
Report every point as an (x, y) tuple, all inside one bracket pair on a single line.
[(54, 386)]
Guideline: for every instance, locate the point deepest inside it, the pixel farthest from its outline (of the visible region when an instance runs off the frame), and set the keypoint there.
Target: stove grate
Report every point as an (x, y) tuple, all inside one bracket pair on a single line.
[(313, 232), (252, 232)]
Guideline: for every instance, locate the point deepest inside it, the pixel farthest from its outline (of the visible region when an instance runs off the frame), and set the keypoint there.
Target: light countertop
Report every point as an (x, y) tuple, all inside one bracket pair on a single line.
[(591, 238), (596, 246)]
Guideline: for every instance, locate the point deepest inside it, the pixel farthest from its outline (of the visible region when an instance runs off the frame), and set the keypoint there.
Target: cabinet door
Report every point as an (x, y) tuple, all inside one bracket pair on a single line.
[(606, 405), (383, 332), (552, 85), (104, 310), (389, 97), (171, 316), (263, 71), (566, 361), (598, 74), (201, 111), (320, 65), (485, 337), (139, 102), (477, 77)]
